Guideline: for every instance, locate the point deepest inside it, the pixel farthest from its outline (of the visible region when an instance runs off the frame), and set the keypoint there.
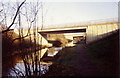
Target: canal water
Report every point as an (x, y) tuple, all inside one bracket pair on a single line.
[(44, 66)]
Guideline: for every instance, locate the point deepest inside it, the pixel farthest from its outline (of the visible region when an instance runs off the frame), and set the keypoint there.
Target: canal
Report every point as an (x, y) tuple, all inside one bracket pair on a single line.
[(16, 66)]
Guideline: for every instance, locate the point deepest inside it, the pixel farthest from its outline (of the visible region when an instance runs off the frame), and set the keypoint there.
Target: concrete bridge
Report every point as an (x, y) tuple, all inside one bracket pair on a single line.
[(90, 32)]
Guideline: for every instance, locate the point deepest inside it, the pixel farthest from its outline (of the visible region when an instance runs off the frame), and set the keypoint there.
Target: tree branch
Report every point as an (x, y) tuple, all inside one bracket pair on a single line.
[(20, 37), (1, 10), (14, 17)]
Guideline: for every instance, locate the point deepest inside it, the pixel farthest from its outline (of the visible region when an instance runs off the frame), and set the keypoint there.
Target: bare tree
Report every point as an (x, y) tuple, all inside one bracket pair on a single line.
[(16, 14), (32, 61), (29, 55)]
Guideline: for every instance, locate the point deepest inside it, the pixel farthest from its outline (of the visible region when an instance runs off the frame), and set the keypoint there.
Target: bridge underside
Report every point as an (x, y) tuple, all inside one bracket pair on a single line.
[(62, 37), (63, 31)]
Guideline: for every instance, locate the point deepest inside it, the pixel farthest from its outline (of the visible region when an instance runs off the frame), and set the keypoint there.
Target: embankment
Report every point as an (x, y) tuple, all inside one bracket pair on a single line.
[(99, 58)]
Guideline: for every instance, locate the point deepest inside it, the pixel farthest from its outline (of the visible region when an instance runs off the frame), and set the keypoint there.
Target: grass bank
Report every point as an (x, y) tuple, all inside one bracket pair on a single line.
[(64, 65), (99, 58), (105, 54)]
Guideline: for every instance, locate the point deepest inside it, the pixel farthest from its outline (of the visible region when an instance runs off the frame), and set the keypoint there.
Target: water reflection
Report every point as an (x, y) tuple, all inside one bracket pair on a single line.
[(19, 67), (53, 51)]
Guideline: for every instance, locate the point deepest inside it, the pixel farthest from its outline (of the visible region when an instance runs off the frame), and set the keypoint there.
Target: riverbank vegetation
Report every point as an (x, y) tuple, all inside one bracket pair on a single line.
[(16, 17)]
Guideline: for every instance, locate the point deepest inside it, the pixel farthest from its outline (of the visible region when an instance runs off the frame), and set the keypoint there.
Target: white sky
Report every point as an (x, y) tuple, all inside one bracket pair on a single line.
[(65, 0), (74, 11)]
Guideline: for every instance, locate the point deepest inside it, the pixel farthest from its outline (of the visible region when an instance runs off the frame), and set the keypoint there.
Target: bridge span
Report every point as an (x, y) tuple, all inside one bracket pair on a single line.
[(90, 32)]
